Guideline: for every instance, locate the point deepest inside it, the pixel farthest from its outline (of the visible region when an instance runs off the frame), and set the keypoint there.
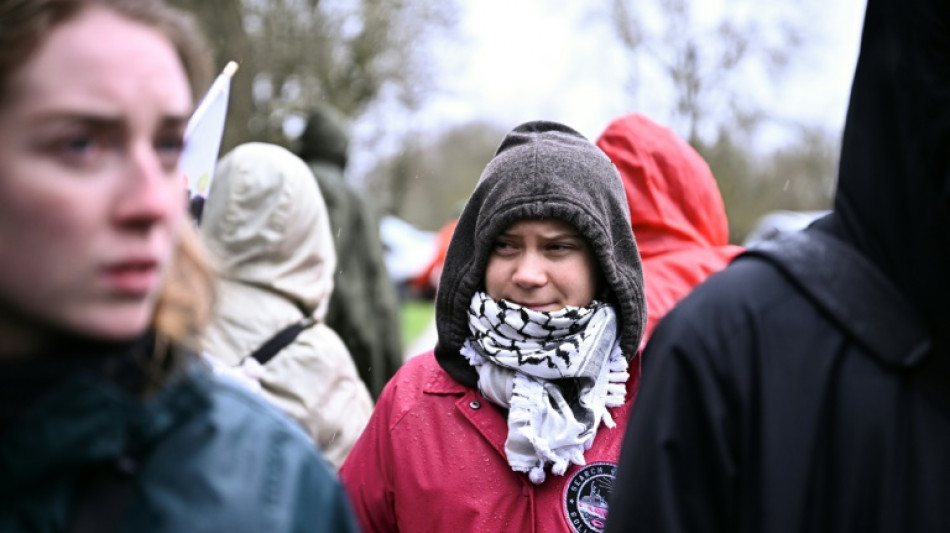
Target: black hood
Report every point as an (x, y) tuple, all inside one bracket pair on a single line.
[(893, 198), (325, 138), (541, 170)]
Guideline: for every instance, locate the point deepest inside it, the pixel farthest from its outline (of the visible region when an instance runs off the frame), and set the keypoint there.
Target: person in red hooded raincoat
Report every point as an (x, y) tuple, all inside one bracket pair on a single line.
[(675, 206), (437, 453)]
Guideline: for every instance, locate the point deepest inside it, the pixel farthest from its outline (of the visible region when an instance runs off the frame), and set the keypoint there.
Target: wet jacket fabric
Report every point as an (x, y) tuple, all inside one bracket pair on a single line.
[(432, 457), (675, 207), (804, 388), (205, 455), (266, 223)]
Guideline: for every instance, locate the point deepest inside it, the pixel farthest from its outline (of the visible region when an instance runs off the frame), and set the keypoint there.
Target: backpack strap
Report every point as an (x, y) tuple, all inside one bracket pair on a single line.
[(280, 340), (102, 496), (852, 291), (857, 296)]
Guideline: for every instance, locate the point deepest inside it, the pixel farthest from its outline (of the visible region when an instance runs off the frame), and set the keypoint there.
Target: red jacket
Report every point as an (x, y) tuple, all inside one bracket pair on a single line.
[(676, 210), (433, 459)]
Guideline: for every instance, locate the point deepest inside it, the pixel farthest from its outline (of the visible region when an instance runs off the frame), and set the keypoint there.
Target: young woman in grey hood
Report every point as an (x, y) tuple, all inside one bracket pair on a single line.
[(511, 423)]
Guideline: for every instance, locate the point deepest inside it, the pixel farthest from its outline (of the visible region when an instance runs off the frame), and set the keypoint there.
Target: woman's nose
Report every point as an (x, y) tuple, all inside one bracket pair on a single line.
[(530, 271), (150, 193)]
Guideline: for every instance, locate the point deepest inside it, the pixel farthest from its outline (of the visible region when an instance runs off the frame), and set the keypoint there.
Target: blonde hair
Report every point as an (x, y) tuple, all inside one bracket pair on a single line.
[(187, 298)]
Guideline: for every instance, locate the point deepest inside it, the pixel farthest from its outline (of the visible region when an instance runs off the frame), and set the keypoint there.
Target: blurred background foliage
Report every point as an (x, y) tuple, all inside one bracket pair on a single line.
[(360, 54)]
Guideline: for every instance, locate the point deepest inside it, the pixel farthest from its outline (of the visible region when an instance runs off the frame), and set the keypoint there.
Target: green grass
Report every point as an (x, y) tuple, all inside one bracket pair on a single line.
[(415, 315)]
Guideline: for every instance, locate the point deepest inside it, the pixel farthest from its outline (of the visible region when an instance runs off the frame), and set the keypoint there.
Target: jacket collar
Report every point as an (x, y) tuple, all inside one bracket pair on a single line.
[(24, 383), (440, 382), (89, 418)]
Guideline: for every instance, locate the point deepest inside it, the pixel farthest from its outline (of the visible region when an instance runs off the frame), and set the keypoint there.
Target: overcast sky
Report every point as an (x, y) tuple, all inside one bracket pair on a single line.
[(517, 60)]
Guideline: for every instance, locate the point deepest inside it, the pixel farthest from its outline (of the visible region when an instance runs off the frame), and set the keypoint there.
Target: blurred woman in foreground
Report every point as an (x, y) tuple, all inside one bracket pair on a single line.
[(107, 419)]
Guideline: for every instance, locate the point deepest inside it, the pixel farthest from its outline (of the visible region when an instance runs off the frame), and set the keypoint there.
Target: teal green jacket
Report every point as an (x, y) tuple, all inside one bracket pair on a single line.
[(210, 457)]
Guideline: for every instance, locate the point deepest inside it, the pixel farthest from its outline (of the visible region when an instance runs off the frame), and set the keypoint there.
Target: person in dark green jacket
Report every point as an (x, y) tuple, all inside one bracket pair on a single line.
[(108, 419), (364, 309)]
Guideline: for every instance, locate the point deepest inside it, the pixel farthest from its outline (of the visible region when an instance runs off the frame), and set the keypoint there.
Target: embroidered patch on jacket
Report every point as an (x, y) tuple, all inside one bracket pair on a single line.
[(585, 498)]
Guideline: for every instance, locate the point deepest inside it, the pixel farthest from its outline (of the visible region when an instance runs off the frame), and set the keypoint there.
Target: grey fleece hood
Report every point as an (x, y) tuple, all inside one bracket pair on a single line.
[(541, 170)]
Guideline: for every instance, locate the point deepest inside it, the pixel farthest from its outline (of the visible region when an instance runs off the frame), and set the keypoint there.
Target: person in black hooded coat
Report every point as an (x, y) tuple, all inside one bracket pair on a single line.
[(807, 386)]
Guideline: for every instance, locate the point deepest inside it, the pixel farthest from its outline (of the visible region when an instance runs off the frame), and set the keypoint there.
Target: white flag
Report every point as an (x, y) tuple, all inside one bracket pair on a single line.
[(203, 134)]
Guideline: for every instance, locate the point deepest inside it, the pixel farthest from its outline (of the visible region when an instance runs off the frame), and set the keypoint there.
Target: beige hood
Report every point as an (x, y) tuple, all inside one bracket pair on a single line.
[(266, 223)]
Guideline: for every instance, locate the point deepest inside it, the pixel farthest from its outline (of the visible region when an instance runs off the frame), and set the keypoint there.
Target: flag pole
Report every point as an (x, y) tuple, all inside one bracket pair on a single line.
[(230, 69)]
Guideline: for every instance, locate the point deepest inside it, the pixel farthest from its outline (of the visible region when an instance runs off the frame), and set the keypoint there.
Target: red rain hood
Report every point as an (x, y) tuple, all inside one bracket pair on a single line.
[(676, 210)]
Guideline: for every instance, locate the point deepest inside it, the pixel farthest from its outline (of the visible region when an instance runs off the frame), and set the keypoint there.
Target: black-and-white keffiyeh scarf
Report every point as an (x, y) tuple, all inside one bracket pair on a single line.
[(556, 373)]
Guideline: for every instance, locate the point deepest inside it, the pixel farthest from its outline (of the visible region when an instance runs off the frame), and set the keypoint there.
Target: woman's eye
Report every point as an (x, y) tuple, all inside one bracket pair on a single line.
[(79, 150), (560, 247), (169, 148), (503, 247), (78, 144)]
